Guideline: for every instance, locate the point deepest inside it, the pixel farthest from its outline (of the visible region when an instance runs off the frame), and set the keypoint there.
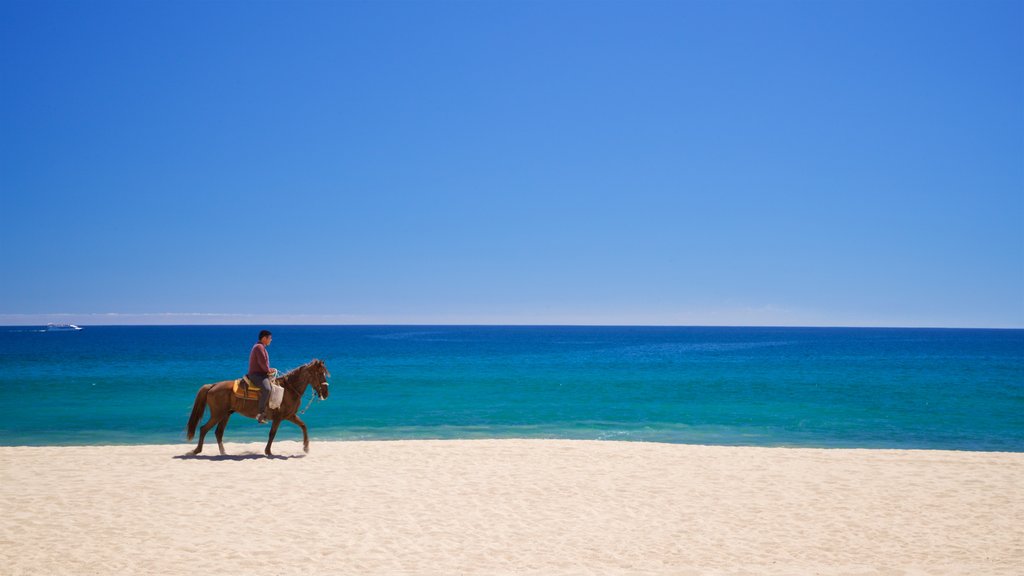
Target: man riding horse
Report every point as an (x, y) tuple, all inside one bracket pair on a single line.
[(260, 371)]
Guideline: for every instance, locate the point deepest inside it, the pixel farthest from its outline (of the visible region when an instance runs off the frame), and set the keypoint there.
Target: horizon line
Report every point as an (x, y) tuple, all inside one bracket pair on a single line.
[(748, 318), (525, 325)]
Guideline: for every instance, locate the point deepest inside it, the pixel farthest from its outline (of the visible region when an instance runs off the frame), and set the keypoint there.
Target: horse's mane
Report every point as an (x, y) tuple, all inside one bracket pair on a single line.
[(294, 371)]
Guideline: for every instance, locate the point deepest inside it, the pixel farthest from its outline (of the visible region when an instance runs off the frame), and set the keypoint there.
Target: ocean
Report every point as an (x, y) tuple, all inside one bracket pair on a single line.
[(806, 387)]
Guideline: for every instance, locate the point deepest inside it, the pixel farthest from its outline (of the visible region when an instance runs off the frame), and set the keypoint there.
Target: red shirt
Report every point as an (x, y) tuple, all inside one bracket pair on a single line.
[(259, 360)]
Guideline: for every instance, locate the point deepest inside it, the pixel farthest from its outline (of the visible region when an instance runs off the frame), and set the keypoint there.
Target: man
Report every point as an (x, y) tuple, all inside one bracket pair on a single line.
[(260, 371)]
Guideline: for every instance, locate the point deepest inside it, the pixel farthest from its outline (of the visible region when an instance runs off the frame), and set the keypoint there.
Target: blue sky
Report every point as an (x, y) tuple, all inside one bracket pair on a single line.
[(738, 163)]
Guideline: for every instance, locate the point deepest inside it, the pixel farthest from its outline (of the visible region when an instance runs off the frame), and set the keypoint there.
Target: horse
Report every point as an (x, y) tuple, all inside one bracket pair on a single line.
[(222, 402)]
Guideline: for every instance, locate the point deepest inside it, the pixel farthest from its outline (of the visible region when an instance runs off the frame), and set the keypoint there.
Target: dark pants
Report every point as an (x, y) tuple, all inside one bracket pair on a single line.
[(262, 380)]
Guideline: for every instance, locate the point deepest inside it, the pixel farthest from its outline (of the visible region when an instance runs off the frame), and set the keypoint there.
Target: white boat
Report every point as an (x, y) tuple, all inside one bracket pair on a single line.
[(62, 328)]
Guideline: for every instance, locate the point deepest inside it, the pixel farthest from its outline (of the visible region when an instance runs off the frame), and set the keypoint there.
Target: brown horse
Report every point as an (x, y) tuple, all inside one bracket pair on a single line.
[(223, 403)]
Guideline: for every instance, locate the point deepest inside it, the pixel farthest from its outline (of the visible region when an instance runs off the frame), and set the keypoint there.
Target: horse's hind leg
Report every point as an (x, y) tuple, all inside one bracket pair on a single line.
[(220, 433), (213, 421), (202, 435), (305, 433)]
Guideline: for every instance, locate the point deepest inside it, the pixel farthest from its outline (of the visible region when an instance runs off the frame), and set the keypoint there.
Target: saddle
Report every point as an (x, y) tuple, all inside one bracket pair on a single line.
[(246, 390)]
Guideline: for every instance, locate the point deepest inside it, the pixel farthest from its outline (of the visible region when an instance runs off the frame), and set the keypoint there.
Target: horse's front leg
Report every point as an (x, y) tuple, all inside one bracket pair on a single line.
[(273, 432), (220, 434), (305, 434)]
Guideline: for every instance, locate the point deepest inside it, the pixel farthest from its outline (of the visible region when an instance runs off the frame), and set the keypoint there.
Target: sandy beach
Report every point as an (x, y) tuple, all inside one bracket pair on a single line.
[(509, 507)]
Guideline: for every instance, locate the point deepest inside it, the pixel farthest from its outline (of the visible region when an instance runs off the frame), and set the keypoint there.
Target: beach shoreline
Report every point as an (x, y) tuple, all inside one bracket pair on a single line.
[(509, 507)]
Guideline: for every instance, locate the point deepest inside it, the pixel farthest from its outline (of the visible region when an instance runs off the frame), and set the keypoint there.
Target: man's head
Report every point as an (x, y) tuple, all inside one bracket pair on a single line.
[(265, 337)]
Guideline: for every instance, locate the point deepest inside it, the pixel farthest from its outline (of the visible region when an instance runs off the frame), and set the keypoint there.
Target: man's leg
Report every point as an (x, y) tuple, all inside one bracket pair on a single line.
[(264, 398)]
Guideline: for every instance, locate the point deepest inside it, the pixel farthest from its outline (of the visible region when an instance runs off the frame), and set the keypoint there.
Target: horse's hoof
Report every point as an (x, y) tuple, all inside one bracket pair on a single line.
[(305, 449)]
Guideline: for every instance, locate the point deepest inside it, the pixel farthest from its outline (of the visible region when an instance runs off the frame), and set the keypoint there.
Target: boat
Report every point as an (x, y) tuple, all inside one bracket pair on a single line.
[(62, 328)]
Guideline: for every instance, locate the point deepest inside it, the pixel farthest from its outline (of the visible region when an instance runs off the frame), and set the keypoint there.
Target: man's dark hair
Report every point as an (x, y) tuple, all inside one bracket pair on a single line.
[(263, 333)]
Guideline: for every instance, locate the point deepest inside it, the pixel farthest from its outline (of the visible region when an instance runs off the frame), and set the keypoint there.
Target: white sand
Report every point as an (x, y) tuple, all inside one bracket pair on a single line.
[(509, 507)]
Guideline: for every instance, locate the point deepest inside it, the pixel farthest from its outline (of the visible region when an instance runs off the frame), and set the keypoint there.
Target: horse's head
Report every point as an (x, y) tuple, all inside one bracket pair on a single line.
[(319, 374), (313, 373)]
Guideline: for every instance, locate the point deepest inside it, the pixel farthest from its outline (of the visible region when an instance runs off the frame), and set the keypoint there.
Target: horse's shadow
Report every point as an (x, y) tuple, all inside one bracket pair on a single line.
[(236, 457)]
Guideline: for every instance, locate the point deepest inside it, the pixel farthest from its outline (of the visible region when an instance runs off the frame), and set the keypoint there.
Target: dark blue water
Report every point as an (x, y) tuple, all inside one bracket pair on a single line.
[(832, 387)]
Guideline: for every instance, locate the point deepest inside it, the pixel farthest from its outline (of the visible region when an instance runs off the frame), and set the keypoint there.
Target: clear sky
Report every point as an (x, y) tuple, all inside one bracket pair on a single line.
[(536, 162)]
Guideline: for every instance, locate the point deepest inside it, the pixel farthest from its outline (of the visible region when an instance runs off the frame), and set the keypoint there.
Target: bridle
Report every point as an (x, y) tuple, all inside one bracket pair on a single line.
[(318, 389), (286, 380)]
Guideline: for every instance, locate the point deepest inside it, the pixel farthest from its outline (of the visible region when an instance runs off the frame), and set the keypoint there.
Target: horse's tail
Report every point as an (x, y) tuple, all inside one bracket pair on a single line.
[(197, 409)]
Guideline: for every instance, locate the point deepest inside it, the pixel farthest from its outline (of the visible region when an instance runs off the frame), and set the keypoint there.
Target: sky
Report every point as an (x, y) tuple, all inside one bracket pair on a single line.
[(786, 163)]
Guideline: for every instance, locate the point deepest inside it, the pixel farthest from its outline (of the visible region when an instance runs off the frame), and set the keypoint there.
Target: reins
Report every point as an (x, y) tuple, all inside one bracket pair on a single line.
[(288, 386), (312, 396)]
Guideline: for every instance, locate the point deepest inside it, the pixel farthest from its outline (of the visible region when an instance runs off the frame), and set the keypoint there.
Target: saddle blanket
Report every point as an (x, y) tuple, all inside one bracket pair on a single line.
[(246, 390)]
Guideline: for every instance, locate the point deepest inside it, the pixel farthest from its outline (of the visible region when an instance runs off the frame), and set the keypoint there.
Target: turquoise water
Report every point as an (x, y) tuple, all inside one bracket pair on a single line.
[(831, 387)]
